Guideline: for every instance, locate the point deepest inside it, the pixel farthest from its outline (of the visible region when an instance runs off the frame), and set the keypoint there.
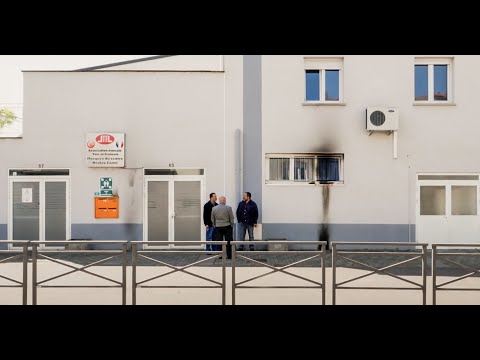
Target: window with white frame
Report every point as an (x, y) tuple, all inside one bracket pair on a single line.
[(323, 80), (311, 168), (433, 80)]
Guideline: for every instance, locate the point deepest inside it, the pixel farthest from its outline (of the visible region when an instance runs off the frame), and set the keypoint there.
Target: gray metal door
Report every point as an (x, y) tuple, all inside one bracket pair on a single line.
[(55, 211), (158, 211), (188, 211), (26, 211), (39, 209), (173, 209)]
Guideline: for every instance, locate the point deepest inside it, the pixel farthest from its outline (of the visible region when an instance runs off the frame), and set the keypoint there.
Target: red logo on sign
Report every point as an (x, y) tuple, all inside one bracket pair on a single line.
[(105, 139)]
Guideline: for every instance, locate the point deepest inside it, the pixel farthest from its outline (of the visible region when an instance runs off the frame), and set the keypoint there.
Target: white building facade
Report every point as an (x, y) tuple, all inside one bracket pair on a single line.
[(292, 130)]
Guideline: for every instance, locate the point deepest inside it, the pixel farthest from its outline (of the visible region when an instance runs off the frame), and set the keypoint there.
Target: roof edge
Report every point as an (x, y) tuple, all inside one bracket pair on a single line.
[(99, 67)]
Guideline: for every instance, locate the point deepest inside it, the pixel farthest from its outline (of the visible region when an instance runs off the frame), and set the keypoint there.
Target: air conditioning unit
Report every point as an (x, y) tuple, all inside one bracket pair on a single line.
[(382, 119)]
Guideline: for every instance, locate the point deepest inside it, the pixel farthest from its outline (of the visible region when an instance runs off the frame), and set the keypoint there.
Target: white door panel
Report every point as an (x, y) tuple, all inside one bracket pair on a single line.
[(447, 211)]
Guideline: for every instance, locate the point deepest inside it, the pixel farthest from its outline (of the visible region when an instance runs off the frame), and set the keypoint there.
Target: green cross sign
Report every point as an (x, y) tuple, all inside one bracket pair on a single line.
[(106, 186)]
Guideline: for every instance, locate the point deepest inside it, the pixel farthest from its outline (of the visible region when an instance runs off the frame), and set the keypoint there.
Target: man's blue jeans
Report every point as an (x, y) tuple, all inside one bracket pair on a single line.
[(242, 230), (210, 237)]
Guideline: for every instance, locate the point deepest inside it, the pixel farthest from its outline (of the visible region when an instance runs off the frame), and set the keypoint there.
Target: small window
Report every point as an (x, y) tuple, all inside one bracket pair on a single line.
[(440, 92), (313, 85), (328, 169), (433, 80), (421, 82), (280, 169), (448, 177), (305, 168), (432, 200), (332, 85), (464, 200), (323, 80)]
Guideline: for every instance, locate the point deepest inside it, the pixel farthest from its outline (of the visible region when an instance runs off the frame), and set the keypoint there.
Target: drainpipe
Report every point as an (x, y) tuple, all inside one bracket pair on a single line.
[(238, 164), (409, 159)]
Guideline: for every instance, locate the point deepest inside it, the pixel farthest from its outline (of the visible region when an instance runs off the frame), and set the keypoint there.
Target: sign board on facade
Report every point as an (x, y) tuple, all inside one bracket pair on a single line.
[(105, 150), (106, 186)]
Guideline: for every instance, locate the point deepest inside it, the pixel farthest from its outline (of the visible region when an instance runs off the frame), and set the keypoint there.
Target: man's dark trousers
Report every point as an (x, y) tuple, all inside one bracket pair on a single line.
[(226, 233)]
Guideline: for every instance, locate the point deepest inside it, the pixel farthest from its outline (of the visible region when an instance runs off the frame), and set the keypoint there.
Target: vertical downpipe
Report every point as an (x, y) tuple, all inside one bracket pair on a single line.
[(409, 200), (224, 129), (395, 145), (238, 165), (412, 178)]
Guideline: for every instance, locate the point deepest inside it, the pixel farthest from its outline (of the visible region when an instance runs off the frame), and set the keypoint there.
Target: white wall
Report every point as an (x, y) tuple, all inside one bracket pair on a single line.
[(167, 117), (376, 190)]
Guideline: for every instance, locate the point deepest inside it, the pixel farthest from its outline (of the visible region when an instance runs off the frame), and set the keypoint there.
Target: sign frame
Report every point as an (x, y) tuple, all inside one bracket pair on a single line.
[(105, 150)]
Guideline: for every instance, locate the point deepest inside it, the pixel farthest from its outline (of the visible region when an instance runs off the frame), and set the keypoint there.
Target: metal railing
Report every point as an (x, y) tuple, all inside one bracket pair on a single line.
[(44, 251), (243, 255), (381, 271), (136, 254), (17, 254), (442, 257)]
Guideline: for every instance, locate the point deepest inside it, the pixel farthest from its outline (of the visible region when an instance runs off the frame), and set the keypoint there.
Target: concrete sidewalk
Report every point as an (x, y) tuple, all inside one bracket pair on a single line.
[(84, 296)]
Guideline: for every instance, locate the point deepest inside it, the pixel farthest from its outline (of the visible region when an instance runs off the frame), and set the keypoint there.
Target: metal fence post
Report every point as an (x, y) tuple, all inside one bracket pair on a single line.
[(25, 275), (124, 274), (234, 260), (134, 274), (334, 273), (224, 274), (34, 274), (323, 274), (424, 273), (434, 274)]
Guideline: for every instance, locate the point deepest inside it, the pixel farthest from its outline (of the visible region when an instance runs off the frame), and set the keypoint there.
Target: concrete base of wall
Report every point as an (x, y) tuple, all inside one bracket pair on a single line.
[(130, 232), (340, 232)]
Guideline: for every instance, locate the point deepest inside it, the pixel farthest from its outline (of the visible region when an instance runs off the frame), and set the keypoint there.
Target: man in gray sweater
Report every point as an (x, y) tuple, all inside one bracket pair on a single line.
[(222, 219)]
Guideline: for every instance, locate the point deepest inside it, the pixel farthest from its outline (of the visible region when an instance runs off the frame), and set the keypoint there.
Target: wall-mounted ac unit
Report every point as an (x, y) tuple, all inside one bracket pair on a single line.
[(382, 119)]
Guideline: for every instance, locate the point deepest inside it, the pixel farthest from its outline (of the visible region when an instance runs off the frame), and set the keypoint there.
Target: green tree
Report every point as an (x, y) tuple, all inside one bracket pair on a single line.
[(7, 117)]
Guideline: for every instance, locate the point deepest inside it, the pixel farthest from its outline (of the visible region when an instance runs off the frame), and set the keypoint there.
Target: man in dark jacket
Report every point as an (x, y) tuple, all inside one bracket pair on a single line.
[(207, 220), (247, 217)]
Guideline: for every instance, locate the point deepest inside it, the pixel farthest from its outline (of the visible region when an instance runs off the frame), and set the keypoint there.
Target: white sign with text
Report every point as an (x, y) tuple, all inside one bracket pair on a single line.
[(27, 195), (105, 150)]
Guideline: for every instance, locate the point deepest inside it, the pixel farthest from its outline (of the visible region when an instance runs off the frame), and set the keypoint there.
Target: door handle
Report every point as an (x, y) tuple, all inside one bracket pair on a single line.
[(173, 216)]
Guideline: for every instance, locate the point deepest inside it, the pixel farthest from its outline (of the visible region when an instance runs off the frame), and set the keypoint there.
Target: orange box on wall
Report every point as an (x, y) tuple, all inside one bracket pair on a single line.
[(107, 207)]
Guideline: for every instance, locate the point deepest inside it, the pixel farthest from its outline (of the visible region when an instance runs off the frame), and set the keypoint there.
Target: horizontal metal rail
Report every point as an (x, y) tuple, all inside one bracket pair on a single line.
[(17, 254), (313, 255), (40, 252), (137, 253), (443, 257), (416, 255)]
